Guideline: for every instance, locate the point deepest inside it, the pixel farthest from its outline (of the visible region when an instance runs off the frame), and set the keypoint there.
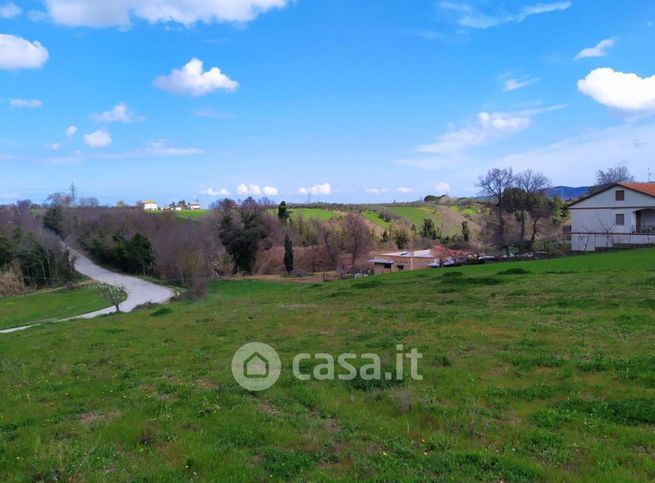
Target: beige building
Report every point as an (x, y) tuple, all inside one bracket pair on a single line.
[(435, 257)]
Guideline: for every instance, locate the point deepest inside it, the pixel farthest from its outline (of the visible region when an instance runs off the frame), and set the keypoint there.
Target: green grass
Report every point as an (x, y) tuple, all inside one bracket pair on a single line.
[(375, 218), (415, 214), (533, 371), (50, 305), (192, 214)]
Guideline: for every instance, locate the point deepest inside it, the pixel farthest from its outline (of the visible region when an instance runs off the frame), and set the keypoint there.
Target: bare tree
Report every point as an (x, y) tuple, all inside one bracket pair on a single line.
[(534, 187), (357, 237), (610, 176), (89, 202), (494, 184), (112, 294)]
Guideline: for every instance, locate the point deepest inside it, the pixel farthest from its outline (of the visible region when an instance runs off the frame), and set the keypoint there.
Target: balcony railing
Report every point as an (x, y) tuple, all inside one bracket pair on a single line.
[(643, 230)]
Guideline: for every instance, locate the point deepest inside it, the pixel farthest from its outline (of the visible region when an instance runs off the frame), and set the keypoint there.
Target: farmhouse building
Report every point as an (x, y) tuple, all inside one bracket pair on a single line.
[(150, 205), (435, 257), (621, 215)]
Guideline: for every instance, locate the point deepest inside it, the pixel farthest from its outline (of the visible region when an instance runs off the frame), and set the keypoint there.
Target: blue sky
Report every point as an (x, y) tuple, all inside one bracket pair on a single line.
[(333, 100)]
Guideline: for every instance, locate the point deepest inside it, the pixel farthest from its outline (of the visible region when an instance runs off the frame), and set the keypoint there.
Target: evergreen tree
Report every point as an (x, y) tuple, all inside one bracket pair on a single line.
[(288, 254), (283, 213)]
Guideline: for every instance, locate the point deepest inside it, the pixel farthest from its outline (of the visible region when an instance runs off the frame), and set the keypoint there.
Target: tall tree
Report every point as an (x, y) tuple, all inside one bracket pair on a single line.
[(283, 213), (288, 254), (610, 176), (357, 237), (493, 185)]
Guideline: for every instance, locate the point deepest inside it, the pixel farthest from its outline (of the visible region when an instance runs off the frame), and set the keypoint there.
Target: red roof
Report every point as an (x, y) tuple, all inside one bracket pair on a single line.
[(645, 188)]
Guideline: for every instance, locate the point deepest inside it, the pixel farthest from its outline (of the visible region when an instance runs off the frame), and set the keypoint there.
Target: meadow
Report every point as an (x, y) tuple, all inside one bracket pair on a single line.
[(532, 371), (49, 305)]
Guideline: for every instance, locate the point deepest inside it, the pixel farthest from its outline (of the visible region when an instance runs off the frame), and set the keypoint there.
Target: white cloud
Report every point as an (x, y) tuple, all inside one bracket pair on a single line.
[(213, 192), (404, 190), (9, 10), (574, 161), (119, 113), (18, 53), (376, 191), (54, 146), (619, 90), (26, 103), (468, 16), (256, 190), (270, 190), (442, 187), (193, 80), (71, 131), (161, 148), (319, 189), (98, 139), (600, 50), (489, 126), (96, 13), (513, 84)]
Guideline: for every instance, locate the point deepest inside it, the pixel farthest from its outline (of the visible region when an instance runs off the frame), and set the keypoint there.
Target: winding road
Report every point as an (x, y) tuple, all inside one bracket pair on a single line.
[(139, 292)]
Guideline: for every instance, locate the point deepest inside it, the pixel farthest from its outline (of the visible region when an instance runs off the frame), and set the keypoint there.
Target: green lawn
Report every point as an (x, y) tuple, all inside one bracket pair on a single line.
[(532, 371), (50, 305)]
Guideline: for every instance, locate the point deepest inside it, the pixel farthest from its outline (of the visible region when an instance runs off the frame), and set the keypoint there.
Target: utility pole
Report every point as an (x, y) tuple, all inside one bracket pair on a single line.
[(73, 193)]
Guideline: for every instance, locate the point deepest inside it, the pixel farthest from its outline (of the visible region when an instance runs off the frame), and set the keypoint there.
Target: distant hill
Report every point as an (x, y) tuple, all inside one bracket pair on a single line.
[(567, 192)]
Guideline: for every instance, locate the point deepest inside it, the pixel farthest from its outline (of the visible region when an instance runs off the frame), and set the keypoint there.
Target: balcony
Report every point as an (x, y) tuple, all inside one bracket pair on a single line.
[(643, 230)]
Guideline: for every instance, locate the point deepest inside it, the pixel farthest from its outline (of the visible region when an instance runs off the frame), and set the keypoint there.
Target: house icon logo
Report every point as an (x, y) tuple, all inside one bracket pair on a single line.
[(256, 366)]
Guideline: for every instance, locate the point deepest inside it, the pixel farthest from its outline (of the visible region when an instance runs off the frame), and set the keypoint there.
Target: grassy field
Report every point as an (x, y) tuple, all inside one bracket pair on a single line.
[(51, 305), (373, 217), (415, 214), (533, 371), (192, 214)]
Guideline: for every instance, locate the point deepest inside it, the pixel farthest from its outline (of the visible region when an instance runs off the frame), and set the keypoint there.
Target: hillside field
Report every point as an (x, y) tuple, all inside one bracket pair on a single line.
[(49, 305), (532, 371)]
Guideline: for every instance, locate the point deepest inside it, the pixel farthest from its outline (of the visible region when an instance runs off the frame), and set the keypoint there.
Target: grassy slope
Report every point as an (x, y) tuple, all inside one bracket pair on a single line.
[(56, 304), (415, 214), (374, 218), (192, 214), (546, 375)]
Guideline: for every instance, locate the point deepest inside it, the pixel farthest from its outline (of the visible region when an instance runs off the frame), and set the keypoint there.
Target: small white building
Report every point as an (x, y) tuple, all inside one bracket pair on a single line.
[(150, 205), (619, 215), (195, 206)]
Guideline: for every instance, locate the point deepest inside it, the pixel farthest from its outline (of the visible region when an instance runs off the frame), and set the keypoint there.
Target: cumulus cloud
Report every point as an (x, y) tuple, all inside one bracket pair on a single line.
[(119, 113), (468, 16), (319, 189), (71, 131), (193, 80), (118, 13), (213, 192), (98, 139), (9, 10), (18, 53), (256, 190), (600, 50), (26, 103), (442, 187), (623, 91)]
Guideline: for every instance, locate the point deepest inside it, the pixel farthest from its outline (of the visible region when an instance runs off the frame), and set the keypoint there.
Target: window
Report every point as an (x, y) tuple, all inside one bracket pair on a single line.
[(620, 195), (620, 220)]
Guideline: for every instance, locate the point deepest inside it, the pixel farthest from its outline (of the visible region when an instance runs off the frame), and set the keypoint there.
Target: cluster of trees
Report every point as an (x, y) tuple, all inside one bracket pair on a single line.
[(30, 256), (521, 206)]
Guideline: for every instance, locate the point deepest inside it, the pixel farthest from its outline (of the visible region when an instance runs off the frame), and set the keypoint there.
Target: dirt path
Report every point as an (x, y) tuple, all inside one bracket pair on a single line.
[(139, 292)]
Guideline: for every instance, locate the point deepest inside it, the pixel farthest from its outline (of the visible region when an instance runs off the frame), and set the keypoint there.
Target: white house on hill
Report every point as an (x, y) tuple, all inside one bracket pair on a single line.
[(619, 215), (150, 205)]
